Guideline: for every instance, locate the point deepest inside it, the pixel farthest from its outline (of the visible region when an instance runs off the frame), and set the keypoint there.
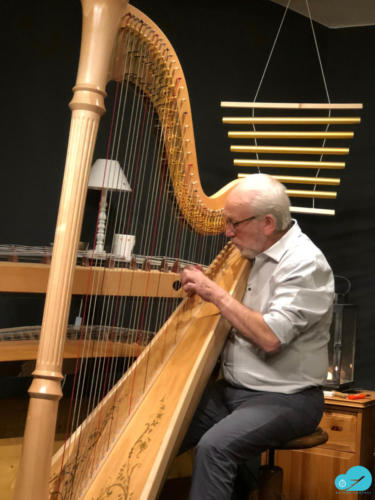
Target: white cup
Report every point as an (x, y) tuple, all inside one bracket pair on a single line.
[(123, 245)]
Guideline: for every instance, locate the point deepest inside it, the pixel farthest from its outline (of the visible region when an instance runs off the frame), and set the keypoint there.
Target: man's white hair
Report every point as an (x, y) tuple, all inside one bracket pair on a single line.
[(268, 196)]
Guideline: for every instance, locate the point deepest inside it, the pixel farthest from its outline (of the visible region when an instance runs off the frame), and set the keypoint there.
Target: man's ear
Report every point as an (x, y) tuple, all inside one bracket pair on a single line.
[(269, 224)]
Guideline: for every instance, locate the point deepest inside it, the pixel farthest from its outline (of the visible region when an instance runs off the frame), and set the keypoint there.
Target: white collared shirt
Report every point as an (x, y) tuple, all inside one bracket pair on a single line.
[(292, 285)]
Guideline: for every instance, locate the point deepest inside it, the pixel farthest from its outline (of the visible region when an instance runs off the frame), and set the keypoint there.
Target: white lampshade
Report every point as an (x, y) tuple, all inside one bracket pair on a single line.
[(108, 174)]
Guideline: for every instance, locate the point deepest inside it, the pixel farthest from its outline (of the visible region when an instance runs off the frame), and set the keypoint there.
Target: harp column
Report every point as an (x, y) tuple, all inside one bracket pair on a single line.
[(101, 19)]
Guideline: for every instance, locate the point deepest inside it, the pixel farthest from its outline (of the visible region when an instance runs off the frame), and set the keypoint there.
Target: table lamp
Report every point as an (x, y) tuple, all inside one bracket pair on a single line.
[(106, 175)]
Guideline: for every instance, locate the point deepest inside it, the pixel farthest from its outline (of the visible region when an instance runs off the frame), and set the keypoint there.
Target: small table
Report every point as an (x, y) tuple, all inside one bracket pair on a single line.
[(310, 474)]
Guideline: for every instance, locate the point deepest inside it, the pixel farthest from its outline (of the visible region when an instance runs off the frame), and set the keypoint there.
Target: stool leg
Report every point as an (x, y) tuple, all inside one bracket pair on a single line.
[(270, 480)]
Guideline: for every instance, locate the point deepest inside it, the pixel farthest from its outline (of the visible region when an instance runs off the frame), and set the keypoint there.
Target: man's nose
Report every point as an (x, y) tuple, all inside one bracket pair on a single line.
[(229, 232)]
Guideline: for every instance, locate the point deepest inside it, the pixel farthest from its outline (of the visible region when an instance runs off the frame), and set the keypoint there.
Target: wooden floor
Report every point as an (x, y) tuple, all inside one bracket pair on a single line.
[(12, 423)]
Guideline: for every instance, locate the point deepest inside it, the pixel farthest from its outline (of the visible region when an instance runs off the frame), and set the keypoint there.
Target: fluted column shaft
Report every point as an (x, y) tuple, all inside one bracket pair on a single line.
[(101, 20)]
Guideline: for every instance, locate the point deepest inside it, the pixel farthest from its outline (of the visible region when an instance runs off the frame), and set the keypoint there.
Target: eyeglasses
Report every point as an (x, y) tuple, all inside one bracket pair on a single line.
[(234, 225)]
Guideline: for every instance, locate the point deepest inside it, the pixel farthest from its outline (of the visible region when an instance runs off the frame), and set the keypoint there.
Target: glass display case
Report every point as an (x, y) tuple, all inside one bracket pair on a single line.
[(341, 348)]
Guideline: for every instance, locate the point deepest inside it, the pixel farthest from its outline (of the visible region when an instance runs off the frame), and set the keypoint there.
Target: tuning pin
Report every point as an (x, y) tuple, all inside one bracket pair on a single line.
[(164, 265), (176, 268), (110, 262), (146, 266), (85, 261), (46, 259), (133, 263)]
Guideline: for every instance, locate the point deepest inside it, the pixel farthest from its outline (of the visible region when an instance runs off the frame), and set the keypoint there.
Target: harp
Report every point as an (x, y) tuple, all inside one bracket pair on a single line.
[(124, 446)]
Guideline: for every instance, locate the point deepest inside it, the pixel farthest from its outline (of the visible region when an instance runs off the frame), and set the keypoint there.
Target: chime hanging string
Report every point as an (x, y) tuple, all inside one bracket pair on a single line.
[(266, 68), (325, 87), (321, 70), (318, 52)]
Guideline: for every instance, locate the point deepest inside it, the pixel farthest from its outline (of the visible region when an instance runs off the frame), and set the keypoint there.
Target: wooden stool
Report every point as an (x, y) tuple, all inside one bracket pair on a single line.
[(271, 476)]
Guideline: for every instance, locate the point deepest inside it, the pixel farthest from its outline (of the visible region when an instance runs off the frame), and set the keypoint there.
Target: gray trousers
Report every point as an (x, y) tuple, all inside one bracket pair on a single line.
[(233, 425)]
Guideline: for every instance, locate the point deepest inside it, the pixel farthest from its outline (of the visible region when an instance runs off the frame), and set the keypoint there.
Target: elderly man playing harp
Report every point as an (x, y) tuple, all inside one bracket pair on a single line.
[(275, 358)]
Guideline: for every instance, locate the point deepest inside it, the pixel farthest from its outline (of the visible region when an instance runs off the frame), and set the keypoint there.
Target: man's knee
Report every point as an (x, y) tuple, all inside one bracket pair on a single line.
[(212, 448), (238, 450)]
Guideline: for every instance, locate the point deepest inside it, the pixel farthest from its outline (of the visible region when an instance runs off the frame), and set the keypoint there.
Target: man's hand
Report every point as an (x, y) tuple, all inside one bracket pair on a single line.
[(193, 280), (248, 322)]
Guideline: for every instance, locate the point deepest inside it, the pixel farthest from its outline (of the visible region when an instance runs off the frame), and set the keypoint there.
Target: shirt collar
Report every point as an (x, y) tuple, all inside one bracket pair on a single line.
[(277, 250)]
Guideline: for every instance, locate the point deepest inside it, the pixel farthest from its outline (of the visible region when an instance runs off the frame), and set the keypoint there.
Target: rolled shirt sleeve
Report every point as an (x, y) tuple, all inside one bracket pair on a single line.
[(300, 297)]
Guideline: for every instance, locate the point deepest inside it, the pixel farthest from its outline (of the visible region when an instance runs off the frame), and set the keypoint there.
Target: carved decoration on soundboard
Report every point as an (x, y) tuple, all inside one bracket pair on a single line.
[(121, 487)]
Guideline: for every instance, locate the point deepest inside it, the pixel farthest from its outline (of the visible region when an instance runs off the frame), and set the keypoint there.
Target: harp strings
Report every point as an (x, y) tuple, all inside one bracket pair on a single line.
[(138, 139)]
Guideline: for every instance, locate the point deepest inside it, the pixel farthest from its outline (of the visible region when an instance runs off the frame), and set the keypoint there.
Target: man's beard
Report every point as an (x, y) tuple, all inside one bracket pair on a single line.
[(248, 253)]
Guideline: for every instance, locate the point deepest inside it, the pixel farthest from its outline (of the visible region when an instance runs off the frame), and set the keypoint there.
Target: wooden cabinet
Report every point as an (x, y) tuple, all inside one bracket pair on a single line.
[(310, 474)]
